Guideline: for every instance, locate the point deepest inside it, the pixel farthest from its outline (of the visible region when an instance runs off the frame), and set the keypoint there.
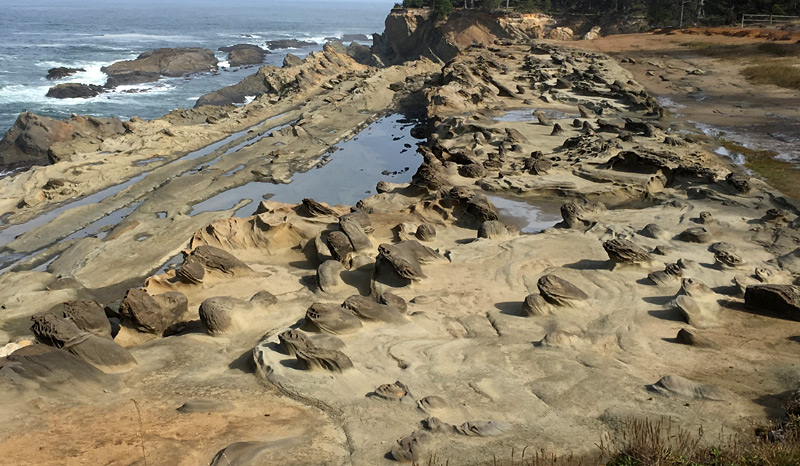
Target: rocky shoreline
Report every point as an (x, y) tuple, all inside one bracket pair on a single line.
[(418, 322)]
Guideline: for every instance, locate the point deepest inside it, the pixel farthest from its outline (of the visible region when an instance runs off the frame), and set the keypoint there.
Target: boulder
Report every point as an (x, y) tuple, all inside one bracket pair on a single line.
[(102, 353), (224, 314), (331, 319), (74, 91)]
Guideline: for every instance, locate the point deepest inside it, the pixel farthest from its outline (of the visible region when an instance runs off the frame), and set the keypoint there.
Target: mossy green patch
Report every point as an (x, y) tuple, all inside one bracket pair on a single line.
[(780, 174)]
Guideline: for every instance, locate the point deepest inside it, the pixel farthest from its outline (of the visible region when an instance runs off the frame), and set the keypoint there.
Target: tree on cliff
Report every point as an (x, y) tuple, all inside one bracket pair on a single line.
[(442, 8)]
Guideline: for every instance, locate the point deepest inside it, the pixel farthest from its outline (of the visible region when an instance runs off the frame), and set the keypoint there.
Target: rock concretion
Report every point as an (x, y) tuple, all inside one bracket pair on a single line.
[(776, 300), (558, 291), (100, 352), (214, 258), (153, 314), (223, 314), (369, 309), (675, 385), (626, 252), (87, 315), (321, 358), (331, 319)]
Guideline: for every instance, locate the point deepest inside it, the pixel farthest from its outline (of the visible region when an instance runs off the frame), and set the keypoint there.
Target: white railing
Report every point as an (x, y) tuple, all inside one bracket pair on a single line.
[(768, 20)]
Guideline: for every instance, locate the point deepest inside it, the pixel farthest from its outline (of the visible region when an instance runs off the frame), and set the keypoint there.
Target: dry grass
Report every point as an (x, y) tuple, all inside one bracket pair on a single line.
[(660, 443), (780, 74), (524, 457), (771, 63), (780, 50)]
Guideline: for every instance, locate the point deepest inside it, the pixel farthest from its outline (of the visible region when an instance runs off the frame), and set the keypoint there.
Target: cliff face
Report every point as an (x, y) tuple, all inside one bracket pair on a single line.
[(413, 33)]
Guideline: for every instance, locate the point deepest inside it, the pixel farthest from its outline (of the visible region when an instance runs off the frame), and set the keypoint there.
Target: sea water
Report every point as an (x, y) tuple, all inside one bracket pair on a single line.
[(36, 35)]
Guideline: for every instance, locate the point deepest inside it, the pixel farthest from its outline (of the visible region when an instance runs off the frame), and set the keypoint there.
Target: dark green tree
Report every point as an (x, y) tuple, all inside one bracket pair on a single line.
[(442, 8)]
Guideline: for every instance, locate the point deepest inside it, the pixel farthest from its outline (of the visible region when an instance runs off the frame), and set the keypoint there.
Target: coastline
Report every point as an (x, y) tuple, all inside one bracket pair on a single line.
[(453, 302)]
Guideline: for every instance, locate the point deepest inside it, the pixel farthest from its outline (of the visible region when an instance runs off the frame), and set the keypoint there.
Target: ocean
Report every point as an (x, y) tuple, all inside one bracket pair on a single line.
[(36, 35)]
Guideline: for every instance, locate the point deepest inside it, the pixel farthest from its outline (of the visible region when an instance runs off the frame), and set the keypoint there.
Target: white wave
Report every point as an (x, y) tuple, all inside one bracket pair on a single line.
[(670, 104), (318, 39), (224, 64), (708, 130), (146, 37), (22, 93), (92, 75), (158, 87), (36, 95), (735, 157), (249, 98), (787, 157)]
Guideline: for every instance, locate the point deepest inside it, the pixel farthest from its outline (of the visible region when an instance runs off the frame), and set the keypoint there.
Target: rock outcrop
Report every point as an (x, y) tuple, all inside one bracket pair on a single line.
[(62, 72), (280, 82), (74, 90), (30, 141), (150, 66), (414, 33), (244, 54)]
